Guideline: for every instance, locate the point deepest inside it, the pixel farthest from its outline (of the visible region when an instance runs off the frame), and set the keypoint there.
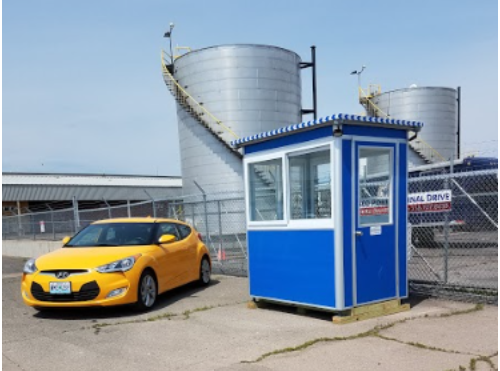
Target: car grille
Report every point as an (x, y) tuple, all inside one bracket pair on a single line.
[(53, 272), (88, 291)]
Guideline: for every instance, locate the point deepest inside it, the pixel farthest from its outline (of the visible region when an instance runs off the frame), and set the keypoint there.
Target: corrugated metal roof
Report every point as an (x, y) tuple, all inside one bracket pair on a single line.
[(86, 193), (63, 187), (346, 119)]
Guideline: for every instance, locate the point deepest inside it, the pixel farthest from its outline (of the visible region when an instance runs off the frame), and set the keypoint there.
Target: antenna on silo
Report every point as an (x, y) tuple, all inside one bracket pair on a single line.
[(168, 35)]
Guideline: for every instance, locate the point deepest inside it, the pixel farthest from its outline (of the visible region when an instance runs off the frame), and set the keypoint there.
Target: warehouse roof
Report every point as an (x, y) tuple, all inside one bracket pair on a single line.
[(49, 187)]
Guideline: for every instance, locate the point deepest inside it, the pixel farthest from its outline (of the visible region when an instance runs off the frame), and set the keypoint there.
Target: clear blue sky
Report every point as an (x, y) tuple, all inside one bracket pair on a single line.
[(83, 91)]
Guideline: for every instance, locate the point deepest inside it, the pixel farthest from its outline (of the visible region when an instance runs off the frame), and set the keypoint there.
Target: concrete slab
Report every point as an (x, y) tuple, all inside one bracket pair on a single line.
[(215, 334), (475, 333), (22, 322), (8, 365), (495, 362)]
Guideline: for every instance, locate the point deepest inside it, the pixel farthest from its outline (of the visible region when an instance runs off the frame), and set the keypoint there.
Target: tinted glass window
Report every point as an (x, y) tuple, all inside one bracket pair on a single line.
[(167, 228), (113, 234), (266, 190), (374, 186), (184, 230), (310, 185)]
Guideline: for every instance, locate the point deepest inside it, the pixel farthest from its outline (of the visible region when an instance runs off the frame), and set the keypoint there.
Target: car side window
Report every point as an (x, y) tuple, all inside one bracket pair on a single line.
[(167, 228), (184, 230)]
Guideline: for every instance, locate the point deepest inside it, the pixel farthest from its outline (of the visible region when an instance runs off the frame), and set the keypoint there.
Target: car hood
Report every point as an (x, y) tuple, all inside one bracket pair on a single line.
[(87, 257)]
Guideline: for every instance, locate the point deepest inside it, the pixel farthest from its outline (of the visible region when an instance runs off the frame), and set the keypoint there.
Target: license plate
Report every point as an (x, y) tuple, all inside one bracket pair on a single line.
[(59, 288)]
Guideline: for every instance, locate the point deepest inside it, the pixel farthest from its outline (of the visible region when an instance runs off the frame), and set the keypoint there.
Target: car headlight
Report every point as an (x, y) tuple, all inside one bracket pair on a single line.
[(122, 265), (30, 266)]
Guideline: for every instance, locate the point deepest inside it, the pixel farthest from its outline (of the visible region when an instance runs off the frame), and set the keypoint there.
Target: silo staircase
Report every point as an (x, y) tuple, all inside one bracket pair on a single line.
[(423, 149), (196, 110)]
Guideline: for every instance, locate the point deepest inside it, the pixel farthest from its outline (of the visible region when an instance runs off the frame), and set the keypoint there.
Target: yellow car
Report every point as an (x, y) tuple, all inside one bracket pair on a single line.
[(117, 261)]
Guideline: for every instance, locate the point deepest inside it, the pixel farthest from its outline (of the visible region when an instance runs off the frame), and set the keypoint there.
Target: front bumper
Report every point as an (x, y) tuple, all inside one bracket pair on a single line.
[(87, 290)]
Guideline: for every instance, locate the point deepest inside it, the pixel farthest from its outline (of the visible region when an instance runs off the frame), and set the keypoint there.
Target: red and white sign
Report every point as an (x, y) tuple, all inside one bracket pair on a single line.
[(377, 210), (429, 201)]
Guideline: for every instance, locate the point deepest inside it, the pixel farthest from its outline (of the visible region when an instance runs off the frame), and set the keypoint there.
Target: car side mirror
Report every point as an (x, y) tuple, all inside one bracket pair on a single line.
[(167, 238), (66, 240)]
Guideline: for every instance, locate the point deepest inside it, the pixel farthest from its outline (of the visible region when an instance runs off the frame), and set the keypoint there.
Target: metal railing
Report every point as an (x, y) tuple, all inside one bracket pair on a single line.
[(419, 145), (197, 108), (427, 152)]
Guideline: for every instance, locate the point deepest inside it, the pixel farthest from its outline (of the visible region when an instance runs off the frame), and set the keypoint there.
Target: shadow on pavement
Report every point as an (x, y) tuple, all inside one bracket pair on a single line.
[(164, 300)]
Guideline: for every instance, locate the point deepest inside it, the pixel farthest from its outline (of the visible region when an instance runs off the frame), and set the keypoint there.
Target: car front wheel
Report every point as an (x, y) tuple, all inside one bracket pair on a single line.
[(147, 292)]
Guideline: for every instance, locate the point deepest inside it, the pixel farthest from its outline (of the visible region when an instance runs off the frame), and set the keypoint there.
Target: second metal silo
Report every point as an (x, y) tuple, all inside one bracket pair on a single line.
[(437, 107)]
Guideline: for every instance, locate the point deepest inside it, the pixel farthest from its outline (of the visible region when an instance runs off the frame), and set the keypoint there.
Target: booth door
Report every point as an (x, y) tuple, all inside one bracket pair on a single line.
[(375, 222)]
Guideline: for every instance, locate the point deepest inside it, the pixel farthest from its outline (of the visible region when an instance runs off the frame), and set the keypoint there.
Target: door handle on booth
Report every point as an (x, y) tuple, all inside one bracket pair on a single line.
[(359, 233)]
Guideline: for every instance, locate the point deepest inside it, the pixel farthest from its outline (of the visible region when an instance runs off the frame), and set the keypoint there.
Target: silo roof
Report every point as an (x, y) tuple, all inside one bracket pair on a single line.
[(238, 46), (341, 118)]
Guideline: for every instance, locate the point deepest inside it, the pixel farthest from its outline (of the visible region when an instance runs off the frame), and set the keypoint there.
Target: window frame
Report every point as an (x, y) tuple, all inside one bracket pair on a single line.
[(284, 153), (291, 155), (256, 160), (157, 237), (391, 197)]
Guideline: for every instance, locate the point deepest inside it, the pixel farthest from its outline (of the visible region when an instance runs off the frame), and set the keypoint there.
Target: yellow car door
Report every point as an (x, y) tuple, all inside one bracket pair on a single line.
[(189, 237), (171, 258)]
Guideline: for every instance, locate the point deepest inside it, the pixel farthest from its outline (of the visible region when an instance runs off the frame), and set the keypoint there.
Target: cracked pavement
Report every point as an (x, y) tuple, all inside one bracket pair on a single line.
[(212, 329)]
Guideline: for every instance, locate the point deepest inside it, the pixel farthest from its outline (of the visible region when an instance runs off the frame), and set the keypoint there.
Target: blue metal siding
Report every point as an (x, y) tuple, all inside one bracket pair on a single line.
[(289, 140), (402, 232), (292, 265), (347, 180), (374, 132)]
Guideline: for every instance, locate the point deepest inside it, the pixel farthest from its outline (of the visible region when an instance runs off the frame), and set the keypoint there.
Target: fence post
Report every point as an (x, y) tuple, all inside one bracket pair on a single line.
[(76, 215), (33, 226), (205, 209), (153, 204), (109, 208), (19, 220), (53, 226), (447, 185), (220, 226), (52, 222)]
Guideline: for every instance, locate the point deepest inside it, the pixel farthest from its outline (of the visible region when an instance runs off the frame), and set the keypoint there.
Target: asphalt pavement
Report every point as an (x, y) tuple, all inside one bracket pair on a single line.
[(193, 328)]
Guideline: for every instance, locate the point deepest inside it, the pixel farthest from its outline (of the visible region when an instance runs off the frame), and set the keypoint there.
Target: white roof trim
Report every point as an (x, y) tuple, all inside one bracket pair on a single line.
[(90, 180)]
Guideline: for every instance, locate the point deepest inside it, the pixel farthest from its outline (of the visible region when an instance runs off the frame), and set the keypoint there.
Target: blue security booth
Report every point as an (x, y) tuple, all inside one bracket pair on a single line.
[(326, 204)]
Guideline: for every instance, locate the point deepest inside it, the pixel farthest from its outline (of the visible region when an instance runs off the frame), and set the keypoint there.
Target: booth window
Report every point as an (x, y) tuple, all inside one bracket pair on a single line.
[(266, 190), (374, 178), (310, 185)]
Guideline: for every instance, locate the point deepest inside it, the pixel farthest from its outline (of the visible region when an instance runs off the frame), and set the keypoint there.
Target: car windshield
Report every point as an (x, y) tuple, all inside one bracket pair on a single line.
[(113, 234)]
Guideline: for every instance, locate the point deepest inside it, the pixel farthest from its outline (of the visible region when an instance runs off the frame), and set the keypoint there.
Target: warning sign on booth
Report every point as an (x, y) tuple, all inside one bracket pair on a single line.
[(429, 201), (377, 210)]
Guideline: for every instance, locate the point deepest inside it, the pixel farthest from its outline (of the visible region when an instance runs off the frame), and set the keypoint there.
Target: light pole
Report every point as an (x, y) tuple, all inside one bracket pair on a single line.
[(359, 74), (168, 35)]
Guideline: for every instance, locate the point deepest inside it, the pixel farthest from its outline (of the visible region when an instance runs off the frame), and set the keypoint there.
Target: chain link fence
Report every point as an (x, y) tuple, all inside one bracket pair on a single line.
[(219, 219), (454, 250)]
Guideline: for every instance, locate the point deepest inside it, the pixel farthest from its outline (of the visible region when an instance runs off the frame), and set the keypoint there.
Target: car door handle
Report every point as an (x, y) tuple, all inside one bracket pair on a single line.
[(359, 233)]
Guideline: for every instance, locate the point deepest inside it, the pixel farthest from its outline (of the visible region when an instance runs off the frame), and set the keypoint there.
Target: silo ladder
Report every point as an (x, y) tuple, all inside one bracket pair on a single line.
[(215, 126)]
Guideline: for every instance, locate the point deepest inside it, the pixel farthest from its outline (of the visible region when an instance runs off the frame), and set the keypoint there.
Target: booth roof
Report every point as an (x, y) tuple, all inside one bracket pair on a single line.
[(341, 117)]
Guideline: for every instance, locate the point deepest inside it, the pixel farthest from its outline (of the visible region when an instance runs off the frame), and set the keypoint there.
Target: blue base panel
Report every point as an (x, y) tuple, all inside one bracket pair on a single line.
[(295, 266)]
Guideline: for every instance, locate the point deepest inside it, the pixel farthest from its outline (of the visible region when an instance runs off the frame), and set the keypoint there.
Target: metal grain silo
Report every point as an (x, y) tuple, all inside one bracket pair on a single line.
[(249, 89), (437, 107)]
